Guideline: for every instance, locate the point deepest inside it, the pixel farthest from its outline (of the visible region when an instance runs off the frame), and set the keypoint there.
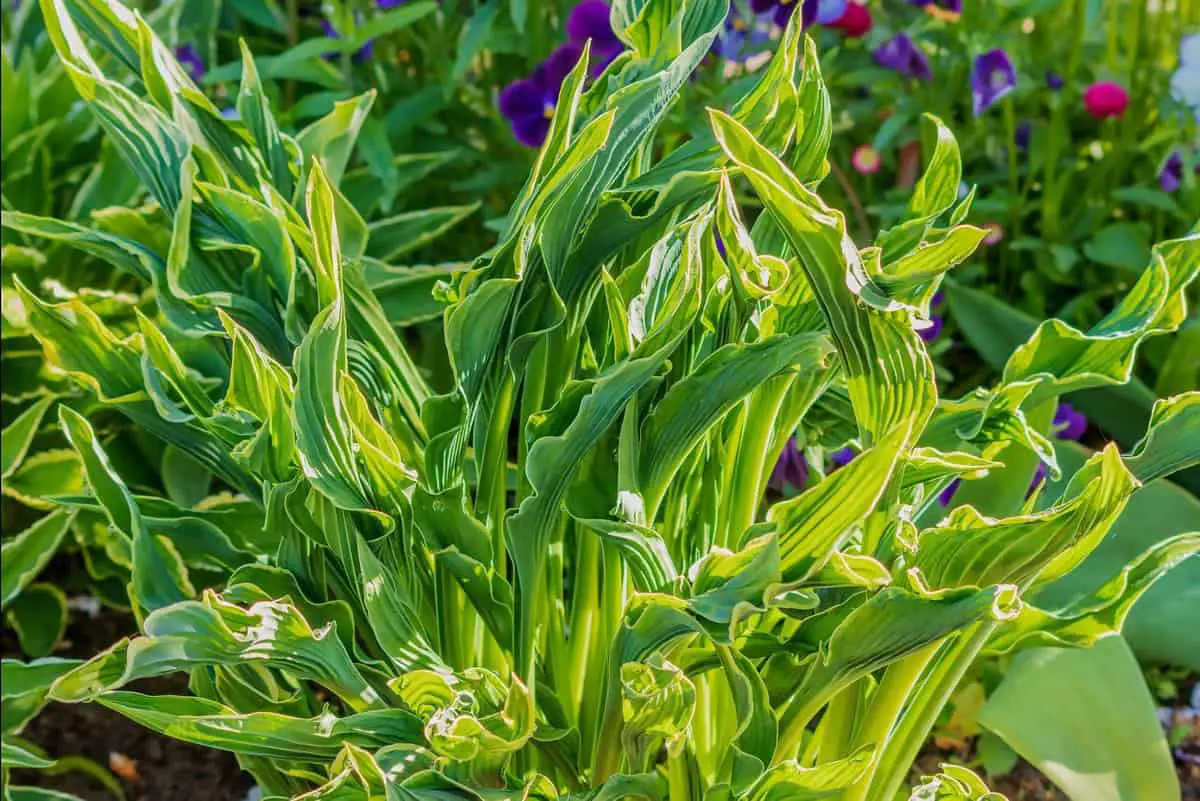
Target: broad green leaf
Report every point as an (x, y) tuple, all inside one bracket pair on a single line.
[(1172, 441), (26, 554), (811, 525), (18, 435), (886, 391), (970, 550), (393, 237), (24, 687), (193, 634), (208, 723), (693, 405), (888, 626), (17, 756), (1053, 702), (39, 617)]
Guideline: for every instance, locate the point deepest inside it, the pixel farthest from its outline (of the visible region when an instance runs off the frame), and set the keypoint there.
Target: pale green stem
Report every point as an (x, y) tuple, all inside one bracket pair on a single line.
[(899, 681), (922, 713)]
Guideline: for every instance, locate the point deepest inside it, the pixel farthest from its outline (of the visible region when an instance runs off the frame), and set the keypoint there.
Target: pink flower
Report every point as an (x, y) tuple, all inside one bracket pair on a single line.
[(866, 159), (1105, 99), (995, 233), (855, 22)]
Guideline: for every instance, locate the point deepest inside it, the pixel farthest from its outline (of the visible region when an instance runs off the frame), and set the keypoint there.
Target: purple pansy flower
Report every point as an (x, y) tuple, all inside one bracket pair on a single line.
[(992, 78), (1023, 135), (189, 58), (1039, 477), (1069, 423), (529, 102), (901, 54), (935, 328), (938, 299), (1054, 80), (1170, 177), (739, 37), (947, 495), (364, 53), (388, 5), (591, 19), (791, 469), (781, 10), (842, 456)]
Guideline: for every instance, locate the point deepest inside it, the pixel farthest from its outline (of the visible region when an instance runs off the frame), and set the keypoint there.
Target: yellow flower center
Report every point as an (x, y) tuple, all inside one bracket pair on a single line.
[(939, 13)]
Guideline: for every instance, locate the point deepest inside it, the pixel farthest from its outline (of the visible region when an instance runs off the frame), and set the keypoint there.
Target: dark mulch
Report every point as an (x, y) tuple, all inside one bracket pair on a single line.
[(166, 769)]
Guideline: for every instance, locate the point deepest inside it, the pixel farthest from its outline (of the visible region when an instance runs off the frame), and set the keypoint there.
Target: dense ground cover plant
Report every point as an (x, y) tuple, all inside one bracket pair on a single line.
[(558, 575)]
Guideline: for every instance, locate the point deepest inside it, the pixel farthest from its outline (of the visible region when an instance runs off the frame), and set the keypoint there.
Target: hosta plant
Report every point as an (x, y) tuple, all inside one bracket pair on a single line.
[(558, 578)]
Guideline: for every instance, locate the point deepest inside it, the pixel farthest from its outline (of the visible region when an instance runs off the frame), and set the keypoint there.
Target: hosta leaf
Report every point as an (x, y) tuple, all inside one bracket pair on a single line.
[(888, 626), (1172, 442), (970, 550), (279, 152), (39, 617), (728, 586), (395, 236), (1064, 359), (266, 734), (17, 756), (571, 429), (193, 634), (791, 781), (1098, 613), (26, 554), (886, 390), (18, 435), (708, 392), (330, 140), (24, 687), (159, 575), (76, 340), (811, 525)]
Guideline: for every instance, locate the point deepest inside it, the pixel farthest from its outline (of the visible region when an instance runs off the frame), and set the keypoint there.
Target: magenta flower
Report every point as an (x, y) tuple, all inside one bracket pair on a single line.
[(591, 19), (992, 78), (901, 54), (790, 470), (529, 103), (189, 58), (1069, 423)]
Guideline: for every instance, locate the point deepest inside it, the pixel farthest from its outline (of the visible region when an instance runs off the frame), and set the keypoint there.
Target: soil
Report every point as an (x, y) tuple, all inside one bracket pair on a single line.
[(155, 768)]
